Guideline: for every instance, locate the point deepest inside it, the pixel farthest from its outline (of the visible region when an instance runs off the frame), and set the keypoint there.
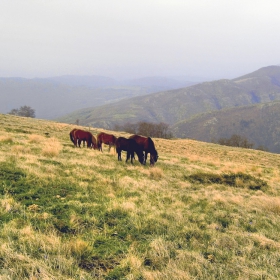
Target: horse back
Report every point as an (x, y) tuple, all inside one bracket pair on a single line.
[(142, 141), (105, 138)]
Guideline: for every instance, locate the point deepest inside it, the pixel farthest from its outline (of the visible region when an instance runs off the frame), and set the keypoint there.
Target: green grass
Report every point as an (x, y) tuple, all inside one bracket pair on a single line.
[(77, 213)]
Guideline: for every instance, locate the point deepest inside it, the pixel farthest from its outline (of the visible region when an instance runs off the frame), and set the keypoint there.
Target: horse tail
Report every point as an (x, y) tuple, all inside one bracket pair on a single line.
[(71, 137), (71, 134), (94, 143), (98, 141)]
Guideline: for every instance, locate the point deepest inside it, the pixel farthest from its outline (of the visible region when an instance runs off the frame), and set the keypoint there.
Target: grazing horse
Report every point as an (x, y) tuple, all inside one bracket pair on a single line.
[(72, 136), (131, 147), (108, 139), (148, 146), (79, 135)]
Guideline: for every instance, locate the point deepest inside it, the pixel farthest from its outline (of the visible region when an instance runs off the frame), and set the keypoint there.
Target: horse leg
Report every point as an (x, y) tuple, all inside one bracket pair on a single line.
[(132, 155), (88, 143), (127, 156), (79, 142), (145, 160), (119, 151)]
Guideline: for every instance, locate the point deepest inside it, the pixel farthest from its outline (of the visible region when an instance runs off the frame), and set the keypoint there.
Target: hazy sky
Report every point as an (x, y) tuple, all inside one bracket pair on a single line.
[(126, 38)]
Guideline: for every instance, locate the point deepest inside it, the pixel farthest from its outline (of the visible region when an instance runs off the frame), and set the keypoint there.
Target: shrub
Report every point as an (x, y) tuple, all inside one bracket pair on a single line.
[(236, 141), (23, 111)]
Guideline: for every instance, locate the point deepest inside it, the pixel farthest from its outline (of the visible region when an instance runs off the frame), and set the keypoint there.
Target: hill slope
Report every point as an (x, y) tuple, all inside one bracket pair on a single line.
[(204, 211), (258, 123), (180, 104), (57, 96)]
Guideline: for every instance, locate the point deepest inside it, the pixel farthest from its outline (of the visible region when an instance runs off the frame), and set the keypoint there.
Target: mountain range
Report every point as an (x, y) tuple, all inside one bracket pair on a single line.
[(57, 96), (247, 105)]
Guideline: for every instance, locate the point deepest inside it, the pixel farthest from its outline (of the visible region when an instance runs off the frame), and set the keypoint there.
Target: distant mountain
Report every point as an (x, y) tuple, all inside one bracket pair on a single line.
[(173, 106), (259, 123), (154, 84), (160, 83), (89, 81), (57, 96)]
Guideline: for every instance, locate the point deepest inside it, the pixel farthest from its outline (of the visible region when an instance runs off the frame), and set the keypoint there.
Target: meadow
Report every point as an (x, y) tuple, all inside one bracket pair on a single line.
[(204, 211)]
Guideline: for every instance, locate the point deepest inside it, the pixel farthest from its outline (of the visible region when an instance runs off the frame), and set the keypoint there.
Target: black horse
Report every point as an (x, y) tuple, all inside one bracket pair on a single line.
[(131, 147), (148, 146)]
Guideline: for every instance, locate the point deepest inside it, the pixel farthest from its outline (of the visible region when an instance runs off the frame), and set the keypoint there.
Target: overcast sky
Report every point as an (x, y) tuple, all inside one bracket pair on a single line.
[(126, 38)]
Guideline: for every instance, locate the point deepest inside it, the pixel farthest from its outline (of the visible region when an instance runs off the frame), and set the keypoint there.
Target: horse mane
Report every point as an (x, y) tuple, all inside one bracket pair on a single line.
[(151, 143)]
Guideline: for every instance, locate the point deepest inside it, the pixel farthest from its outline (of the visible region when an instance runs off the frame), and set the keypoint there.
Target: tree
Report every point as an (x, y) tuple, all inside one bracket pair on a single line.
[(236, 141), (159, 130), (23, 111)]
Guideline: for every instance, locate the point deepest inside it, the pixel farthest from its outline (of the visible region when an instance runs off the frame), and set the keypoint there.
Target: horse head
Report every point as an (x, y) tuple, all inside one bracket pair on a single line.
[(153, 157)]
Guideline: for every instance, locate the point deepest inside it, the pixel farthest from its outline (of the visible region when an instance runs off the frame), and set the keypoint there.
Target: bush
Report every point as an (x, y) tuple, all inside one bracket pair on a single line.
[(236, 141), (159, 130), (23, 111)]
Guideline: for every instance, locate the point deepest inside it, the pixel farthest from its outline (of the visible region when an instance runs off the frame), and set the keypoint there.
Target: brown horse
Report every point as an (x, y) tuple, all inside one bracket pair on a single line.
[(79, 135), (148, 146), (131, 147), (108, 139)]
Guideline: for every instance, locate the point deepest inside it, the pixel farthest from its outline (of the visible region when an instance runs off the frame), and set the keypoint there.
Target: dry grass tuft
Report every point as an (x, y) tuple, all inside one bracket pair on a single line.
[(6, 139), (270, 204), (78, 246), (19, 149), (36, 139), (156, 173), (51, 148), (9, 205)]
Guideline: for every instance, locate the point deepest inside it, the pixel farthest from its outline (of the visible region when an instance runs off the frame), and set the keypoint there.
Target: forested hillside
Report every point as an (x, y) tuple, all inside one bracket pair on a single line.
[(259, 124), (181, 104)]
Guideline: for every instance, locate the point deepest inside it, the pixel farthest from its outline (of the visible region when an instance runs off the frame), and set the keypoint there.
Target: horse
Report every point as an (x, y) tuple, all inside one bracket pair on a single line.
[(108, 139), (148, 146), (72, 136), (131, 147), (79, 135)]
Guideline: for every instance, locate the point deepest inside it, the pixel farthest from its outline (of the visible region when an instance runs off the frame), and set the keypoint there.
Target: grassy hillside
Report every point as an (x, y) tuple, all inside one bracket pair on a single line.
[(203, 212), (181, 104), (258, 123)]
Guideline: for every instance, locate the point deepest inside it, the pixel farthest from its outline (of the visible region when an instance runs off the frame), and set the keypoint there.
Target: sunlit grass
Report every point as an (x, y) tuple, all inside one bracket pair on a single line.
[(204, 211)]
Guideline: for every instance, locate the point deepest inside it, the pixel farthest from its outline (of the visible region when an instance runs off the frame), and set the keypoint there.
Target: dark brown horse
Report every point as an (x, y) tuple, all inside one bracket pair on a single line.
[(148, 146), (131, 147), (79, 135), (108, 139)]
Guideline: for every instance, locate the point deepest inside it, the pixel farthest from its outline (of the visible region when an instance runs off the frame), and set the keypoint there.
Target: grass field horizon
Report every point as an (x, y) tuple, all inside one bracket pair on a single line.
[(204, 211)]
